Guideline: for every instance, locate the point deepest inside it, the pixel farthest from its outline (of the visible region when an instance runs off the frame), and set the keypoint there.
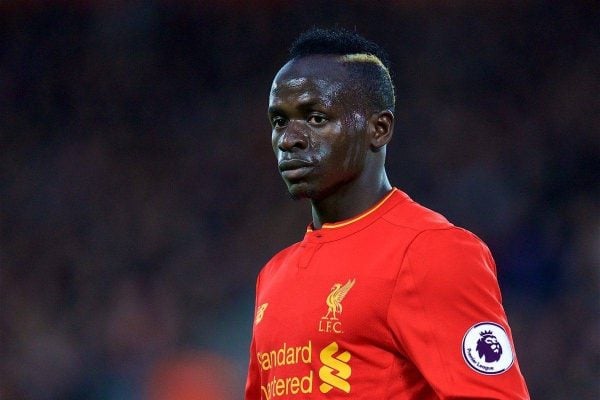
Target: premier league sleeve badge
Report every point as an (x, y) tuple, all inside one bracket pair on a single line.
[(486, 348)]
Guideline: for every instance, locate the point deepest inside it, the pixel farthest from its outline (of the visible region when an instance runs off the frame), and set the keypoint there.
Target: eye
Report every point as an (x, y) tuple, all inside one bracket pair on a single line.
[(317, 119), (278, 122)]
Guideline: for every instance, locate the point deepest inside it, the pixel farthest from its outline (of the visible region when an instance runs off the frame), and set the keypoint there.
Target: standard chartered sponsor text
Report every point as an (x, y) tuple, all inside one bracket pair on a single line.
[(285, 356), (290, 385)]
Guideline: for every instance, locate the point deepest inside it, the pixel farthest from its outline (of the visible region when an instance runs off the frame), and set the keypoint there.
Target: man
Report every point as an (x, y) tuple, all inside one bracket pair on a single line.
[(383, 298)]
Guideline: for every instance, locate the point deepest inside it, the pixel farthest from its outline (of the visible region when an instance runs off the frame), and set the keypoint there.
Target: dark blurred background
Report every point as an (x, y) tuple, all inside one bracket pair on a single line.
[(139, 196)]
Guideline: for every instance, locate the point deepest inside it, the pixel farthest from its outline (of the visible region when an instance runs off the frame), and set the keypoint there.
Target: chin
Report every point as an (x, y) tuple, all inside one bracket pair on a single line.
[(299, 194), (300, 191)]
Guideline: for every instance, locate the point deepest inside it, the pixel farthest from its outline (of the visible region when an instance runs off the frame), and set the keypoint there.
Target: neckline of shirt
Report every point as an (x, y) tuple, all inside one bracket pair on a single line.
[(337, 230)]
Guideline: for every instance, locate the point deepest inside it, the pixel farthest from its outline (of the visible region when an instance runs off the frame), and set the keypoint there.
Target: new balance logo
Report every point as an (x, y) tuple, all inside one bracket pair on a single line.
[(260, 312), (335, 370)]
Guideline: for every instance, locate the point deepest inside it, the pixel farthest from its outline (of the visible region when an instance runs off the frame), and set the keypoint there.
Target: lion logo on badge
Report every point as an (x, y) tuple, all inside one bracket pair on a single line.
[(488, 347)]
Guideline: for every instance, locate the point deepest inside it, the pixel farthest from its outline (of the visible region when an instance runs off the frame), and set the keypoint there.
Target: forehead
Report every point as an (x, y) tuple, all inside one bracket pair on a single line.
[(324, 77)]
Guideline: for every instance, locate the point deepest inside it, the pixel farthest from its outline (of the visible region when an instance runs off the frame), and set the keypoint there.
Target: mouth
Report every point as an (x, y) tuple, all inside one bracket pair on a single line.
[(294, 169)]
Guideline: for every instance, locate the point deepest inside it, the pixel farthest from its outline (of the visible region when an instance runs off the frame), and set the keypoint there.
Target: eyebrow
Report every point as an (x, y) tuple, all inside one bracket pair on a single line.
[(303, 106)]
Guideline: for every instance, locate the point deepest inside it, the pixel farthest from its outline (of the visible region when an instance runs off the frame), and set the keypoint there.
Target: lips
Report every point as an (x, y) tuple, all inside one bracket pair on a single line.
[(295, 168), (287, 165)]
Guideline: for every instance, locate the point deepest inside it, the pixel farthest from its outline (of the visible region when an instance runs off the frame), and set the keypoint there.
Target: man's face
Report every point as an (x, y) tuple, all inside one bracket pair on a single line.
[(318, 127)]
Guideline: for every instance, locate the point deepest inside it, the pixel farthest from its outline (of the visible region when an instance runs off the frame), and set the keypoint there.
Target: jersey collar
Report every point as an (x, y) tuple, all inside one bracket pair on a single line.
[(336, 230)]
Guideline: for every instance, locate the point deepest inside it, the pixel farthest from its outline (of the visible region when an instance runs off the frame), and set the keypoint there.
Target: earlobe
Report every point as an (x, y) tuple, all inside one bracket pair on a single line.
[(382, 124)]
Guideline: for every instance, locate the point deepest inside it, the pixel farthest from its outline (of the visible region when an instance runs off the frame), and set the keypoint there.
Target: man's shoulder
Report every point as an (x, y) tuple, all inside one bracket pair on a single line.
[(430, 227), (275, 261), (411, 215)]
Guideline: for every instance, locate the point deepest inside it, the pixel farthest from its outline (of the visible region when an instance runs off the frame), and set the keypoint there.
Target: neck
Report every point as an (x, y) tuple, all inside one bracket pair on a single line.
[(349, 201)]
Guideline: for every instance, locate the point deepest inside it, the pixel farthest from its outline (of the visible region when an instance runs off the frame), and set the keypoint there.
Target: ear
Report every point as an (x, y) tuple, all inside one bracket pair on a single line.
[(382, 128)]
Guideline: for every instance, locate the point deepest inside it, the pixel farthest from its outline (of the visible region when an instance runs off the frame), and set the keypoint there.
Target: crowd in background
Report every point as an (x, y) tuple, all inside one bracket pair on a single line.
[(139, 196)]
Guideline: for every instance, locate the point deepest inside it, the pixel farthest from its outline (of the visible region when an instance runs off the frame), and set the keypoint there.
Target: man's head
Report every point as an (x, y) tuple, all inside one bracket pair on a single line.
[(331, 111)]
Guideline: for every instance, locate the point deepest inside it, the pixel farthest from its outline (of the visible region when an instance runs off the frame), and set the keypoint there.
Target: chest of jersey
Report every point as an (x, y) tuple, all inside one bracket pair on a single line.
[(321, 294), (321, 319)]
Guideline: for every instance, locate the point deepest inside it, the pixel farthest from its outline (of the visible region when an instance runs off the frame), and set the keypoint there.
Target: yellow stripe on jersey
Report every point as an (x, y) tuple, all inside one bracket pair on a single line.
[(358, 217)]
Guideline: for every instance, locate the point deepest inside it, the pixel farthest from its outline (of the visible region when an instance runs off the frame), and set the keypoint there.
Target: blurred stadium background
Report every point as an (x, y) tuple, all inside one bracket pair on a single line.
[(139, 196)]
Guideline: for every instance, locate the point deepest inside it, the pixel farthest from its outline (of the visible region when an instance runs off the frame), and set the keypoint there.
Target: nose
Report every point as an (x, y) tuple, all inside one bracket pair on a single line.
[(293, 137)]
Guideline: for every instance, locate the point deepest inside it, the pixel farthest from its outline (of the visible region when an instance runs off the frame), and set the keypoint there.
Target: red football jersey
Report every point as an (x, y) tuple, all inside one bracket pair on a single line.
[(396, 303)]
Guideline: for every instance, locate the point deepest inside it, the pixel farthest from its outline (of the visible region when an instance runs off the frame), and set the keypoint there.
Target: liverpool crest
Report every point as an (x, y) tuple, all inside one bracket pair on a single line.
[(330, 321)]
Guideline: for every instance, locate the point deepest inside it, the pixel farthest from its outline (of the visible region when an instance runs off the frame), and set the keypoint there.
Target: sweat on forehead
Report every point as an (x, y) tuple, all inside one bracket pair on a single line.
[(361, 73)]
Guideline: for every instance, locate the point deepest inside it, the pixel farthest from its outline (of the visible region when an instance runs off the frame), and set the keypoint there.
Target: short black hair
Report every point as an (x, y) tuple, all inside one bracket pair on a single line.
[(373, 78)]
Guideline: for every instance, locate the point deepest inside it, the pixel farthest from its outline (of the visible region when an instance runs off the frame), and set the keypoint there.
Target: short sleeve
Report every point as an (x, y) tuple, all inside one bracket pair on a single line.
[(447, 318)]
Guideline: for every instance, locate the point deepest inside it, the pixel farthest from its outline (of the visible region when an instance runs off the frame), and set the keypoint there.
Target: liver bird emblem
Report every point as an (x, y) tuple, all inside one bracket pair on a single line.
[(334, 299)]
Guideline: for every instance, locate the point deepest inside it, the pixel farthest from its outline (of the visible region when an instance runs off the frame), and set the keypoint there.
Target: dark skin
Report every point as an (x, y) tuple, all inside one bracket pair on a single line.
[(330, 145)]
